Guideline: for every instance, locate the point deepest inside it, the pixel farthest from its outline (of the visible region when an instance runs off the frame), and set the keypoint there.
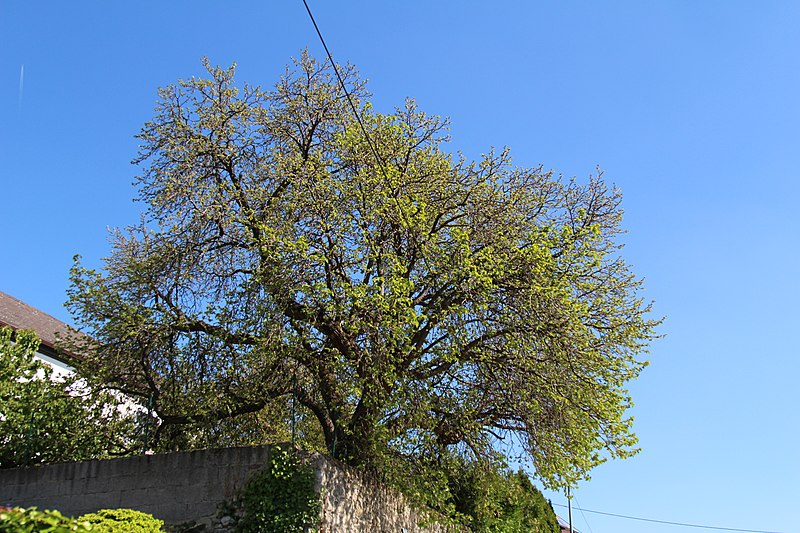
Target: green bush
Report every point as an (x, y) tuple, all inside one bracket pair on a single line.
[(497, 500), (281, 498), (37, 407), (122, 521), (17, 520), (484, 496)]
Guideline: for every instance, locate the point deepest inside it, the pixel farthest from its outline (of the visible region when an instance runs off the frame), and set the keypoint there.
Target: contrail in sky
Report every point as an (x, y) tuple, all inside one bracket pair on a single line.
[(21, 83)]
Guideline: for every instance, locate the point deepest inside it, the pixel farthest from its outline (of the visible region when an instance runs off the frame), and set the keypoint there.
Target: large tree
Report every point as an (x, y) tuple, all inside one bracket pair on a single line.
[(408, 299)]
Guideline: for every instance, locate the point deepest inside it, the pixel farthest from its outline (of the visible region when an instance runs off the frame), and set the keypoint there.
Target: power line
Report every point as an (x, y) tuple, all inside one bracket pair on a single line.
[(346, 92), (372, 145), (583, 515), (683, 524)]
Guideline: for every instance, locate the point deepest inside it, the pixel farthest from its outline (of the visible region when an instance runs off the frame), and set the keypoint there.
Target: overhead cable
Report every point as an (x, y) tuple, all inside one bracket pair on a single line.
[(344, 88), (667, 522), (373, 147)]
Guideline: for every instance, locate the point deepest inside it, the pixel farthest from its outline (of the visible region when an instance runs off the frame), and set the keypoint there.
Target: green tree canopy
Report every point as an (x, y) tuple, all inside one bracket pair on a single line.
[(411, 300), (46, 418)]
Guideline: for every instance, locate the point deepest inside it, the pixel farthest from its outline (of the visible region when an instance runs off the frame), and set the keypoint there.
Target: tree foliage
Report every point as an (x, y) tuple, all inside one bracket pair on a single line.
[(46, 418), (410, 300)]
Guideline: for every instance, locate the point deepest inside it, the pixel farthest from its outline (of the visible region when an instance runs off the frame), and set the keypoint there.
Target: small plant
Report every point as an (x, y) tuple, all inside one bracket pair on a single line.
[(122, 521), (32, 520), (281, 498)]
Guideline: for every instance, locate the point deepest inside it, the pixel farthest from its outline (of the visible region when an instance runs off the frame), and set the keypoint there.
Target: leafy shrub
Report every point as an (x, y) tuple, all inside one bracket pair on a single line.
[(122, 521), (37, 407), (32, 520), (281, 498), (497, 500), (484, 496)]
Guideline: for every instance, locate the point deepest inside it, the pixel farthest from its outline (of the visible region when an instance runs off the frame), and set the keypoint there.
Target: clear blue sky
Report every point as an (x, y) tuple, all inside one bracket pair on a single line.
[(691, 107)]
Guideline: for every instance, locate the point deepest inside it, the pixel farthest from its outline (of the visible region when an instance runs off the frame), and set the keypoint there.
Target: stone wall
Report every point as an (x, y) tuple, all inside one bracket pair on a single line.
[(352, 501), (190, 486), (175, 487)]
